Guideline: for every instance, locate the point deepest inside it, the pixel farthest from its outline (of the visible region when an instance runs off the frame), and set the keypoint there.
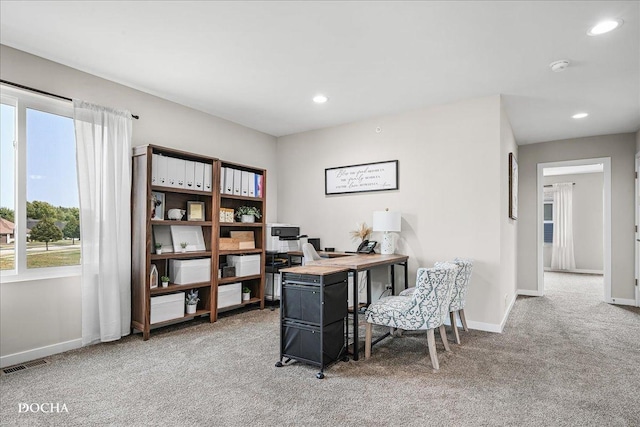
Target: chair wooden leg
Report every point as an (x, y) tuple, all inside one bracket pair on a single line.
[(454, 326), (443, 336), (463, 320), (367, 341), (431, 343)]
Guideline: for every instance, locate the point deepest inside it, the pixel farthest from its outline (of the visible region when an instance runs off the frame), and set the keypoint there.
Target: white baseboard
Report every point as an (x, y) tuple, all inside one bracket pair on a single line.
[(492, 327), (576, 271), (487, 327), (529, 293), (37, 353), (622, 301)]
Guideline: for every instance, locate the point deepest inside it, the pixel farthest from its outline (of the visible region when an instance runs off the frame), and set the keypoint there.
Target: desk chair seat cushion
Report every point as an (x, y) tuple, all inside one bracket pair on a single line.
[(427, 308)]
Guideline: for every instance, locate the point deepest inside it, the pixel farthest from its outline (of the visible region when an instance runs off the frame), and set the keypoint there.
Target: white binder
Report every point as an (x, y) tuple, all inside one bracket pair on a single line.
[(199, 176), (208, 185), (245, 184), (222, 173), (228, 181), (180, 172), (162, 171), (252, 184), (154, 169), (189, 174), (237, 182)]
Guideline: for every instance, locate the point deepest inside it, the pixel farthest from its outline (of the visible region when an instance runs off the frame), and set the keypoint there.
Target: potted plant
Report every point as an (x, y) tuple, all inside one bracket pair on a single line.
[(183, 245), (248, 213), (158, 247), (192, 301), (246, 294), (165, 281)]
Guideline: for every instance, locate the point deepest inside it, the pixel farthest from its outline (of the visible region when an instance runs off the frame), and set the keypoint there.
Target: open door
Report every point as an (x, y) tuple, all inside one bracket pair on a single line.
[(637, 230)]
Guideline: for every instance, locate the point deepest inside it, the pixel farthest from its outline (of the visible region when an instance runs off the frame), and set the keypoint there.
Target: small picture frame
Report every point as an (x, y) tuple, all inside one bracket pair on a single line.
[(157, 206), (195, 211)]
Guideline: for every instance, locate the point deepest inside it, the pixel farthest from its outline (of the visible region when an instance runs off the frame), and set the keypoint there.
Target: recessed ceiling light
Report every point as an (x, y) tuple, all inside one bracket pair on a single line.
[(605, 26), (580, 115), (320, 99), (558, 66)]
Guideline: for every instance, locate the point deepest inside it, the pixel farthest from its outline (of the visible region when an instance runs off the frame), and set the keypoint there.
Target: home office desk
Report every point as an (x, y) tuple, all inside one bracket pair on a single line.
[(365, 262)]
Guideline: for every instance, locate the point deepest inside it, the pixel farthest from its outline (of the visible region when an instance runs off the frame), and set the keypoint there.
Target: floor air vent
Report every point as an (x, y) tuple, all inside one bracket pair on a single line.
[(23, 366)]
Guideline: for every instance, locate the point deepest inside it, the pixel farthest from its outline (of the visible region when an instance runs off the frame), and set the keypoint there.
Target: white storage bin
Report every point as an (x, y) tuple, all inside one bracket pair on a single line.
[(276, 287), (187, 271), (167, 307), (229, 295), (246, 265)]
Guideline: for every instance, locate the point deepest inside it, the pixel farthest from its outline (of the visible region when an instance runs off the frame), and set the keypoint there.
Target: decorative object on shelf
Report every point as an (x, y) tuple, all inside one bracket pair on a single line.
[(158, 247), (157, 206), (162, 235), (183, 246), (246, 239), (513, 186), (187, 233), (153, 277), (389, 222), (248, 213), (362, 231), (381, 176), (226, 215), (228, 244), (228, 271), (195, 211), (176, 214), (165, 281), (192, 301), (246, 294)]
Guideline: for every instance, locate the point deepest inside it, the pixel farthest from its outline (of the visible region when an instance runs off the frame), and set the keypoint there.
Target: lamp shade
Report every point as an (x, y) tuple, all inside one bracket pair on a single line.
[(386, 221)]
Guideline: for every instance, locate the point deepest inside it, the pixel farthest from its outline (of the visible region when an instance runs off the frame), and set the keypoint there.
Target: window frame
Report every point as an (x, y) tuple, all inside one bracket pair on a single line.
[(23, 100)]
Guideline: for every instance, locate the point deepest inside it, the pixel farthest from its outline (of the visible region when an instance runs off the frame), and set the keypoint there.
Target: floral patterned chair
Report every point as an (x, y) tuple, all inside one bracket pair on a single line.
[(458, 296), (426, 309)]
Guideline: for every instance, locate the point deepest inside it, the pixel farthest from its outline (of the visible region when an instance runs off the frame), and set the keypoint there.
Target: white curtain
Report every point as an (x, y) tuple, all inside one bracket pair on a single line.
[(562, 257), (103, 151)]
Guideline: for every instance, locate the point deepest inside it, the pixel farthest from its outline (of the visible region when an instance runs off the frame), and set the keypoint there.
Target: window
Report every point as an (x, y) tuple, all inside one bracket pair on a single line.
[(548, 221), (39, 205)]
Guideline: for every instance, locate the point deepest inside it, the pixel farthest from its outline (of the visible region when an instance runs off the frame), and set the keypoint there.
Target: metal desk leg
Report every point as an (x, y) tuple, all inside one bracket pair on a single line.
[(393, 279), (368, 287), (356, 342), (406, 274)]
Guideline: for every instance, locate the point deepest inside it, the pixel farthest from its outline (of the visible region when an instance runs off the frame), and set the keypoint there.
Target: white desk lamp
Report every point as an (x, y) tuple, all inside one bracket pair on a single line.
[(388, 222)]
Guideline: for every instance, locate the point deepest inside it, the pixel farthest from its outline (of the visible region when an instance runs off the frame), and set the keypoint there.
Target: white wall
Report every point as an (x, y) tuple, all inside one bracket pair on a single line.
[(638, 142), (587, 220), (621, 149), (57, 318), (452, 195)]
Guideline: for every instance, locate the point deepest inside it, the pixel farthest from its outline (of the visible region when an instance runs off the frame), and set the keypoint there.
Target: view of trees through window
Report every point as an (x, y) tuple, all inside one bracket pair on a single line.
[(50, 208)]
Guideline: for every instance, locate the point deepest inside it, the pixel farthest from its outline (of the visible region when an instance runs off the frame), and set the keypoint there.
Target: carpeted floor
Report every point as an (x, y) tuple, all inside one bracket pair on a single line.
[(566, 359)]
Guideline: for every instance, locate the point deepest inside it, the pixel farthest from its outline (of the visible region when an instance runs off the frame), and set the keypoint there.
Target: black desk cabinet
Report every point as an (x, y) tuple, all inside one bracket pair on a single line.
[(313, 311)]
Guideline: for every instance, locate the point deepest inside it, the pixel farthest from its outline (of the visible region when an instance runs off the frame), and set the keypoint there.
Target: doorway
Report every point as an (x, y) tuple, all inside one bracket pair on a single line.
[(601, 265)]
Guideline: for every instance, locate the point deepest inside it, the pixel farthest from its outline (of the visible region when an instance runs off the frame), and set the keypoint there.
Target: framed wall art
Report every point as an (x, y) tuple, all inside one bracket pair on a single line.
[(513, 186), (381, 176)]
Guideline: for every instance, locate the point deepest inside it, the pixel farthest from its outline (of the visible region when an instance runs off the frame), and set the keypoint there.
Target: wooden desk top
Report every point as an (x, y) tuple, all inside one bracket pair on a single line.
[(317, 270), (323, 254), (361, 261)]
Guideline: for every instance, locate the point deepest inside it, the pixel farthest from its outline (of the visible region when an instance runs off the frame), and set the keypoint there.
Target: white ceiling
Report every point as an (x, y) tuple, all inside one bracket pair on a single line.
[(260, 63)]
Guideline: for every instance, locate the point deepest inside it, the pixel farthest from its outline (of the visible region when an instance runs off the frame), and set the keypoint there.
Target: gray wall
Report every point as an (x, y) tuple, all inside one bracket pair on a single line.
[(621, 149), (453, 191), (638, 142), (57, 302), (587, 220)]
